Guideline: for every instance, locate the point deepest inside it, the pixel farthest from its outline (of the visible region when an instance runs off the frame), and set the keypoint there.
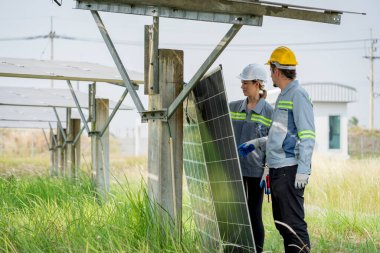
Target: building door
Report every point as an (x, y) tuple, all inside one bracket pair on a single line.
[(334, 132)]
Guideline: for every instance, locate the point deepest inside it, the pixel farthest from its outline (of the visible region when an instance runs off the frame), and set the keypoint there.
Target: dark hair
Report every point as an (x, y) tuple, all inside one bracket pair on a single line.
[(288, 73)]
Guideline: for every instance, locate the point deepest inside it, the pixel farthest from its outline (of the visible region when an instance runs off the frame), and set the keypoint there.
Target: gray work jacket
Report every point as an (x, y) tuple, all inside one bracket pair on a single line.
[(250, 125), (292, 134)]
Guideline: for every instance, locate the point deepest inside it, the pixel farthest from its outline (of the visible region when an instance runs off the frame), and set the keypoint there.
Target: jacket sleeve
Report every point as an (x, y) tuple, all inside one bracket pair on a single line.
[(304, 121), (263, 140)]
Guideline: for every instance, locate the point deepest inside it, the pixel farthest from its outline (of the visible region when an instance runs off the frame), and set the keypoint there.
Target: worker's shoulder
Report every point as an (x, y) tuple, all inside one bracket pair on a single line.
[(267, 108), (235, 105), (299, 93)]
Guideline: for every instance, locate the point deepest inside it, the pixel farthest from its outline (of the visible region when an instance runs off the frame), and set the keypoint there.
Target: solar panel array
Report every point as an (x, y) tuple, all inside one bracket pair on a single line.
[(212, 170)]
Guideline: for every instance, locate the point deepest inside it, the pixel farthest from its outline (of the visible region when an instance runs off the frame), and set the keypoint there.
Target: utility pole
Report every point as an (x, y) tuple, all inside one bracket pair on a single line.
[(51, 38), (372, 58)]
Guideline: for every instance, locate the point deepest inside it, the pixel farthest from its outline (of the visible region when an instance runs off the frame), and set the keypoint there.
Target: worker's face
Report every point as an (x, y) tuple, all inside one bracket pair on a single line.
[(250, 88), (274, 74)]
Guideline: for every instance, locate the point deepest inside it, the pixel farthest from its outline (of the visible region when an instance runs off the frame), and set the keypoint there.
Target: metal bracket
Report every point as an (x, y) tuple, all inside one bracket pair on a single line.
[(203, 69), (60, 125), (118, 62), (78, 107), (154, 115)]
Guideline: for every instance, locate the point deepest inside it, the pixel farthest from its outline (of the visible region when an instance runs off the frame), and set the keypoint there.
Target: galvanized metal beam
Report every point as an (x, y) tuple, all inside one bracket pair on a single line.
[(60, 125), (54, 139), (46, 139), (84, 121), (77, 138), (154, 9), (203, 69), (113, 112), (119, 64), (243, 12)]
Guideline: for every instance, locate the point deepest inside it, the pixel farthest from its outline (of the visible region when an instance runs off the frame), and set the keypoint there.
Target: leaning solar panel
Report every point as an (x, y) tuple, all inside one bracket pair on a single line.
[(212, 170)]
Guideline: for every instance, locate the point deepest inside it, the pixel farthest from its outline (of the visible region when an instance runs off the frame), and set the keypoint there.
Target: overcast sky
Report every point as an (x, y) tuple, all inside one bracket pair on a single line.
[(335, 62)]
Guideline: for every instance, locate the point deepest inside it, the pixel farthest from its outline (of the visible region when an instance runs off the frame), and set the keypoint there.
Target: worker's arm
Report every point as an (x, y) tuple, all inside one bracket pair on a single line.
[(304, 121)]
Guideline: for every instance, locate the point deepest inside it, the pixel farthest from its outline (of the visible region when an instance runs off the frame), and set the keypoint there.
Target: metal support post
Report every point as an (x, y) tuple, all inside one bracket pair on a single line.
[(151, 57), (100, 149), (77, 131), (203, 69), (164, 160), (56, 171), (119, 64), (69, 147), (60, 153)]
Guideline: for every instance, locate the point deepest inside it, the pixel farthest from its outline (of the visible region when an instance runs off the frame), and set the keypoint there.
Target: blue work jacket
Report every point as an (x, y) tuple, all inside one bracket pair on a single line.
[(248, 125)]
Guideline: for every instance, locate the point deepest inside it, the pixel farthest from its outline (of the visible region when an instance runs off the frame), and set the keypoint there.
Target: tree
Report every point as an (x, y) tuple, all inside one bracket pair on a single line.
[(353, 122)]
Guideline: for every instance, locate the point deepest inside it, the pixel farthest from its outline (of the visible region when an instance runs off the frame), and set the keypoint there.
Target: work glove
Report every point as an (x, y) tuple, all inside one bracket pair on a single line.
[(301, 180), (247, 147), (265, 182)]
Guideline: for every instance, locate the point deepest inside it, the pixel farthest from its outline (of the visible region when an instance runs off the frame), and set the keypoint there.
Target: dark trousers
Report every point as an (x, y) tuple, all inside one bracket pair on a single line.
[(255, 202), (287, 205)]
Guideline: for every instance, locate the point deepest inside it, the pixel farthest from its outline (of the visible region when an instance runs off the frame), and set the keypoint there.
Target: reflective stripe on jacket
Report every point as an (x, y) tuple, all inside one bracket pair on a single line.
[(250, 125), (292, 135)]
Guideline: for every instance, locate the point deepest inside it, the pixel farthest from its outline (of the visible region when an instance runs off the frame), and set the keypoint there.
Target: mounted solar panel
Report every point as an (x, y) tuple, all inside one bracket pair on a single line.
[(43, 97), (29, 124), (63, 70), (212, 170), (42, 114)]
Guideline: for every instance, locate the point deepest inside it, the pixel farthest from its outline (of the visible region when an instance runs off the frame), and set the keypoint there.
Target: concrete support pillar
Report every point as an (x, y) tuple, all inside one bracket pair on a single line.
[(165, 155), (100, 149)]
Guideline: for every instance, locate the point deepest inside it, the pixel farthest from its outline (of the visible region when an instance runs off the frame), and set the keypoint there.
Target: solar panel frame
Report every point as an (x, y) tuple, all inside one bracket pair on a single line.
[(216, 176)]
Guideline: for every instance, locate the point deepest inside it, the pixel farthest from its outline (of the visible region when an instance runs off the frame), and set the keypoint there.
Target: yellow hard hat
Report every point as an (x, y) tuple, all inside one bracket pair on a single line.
[(283, 57)]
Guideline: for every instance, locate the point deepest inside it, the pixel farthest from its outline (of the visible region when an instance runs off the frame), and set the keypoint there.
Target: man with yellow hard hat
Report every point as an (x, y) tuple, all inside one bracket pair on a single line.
[(289, 147)]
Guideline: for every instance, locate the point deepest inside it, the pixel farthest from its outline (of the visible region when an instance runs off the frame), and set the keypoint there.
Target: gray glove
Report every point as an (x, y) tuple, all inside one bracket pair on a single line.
[(301, 180)]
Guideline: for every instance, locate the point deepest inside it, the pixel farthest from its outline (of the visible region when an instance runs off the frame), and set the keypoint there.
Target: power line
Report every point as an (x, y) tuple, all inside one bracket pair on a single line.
[(195, 45)]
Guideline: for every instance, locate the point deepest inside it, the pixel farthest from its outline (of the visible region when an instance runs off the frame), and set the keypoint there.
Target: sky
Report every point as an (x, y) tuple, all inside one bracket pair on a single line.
[(333, 62)]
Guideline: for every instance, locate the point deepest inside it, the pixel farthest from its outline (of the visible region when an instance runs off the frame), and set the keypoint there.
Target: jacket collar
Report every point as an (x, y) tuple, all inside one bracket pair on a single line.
[(259, 106), (290, 86)]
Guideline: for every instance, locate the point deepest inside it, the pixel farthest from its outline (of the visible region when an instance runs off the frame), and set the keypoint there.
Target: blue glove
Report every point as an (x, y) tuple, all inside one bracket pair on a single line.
[(247, 147), (244, 149)]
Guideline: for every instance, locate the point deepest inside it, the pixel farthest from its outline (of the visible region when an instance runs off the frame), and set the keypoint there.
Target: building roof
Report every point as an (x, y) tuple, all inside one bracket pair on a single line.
[(322, 92), (330, 92)]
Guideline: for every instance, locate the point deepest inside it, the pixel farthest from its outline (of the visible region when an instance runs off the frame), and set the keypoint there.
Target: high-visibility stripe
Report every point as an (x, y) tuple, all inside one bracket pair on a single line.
[(306, 134), (285, 104), (238, 115), (261, 119)]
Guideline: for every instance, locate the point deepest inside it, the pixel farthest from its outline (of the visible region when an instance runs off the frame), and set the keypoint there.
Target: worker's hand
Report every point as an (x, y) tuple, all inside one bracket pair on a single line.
[(247, 147), (264, 182), (301, 180)]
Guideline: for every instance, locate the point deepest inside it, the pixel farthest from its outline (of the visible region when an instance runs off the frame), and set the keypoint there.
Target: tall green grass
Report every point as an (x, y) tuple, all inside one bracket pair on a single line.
[(42, 214), (52, 215)]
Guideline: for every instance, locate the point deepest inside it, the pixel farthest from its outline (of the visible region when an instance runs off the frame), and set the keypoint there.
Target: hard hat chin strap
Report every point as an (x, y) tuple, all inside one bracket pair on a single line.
[(279, 66)]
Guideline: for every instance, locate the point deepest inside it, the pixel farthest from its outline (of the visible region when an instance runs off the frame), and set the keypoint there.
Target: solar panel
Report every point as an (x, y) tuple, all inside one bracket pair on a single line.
[(29, 124), (24, 113), (213, 171), (43, 97), (64, 70)]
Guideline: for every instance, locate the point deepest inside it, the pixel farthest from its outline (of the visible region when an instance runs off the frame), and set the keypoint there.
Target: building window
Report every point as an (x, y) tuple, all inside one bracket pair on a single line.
[(334, 132)]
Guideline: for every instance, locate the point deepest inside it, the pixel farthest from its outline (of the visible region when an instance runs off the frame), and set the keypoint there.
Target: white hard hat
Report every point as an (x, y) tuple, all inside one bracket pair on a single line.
[(253, 72)]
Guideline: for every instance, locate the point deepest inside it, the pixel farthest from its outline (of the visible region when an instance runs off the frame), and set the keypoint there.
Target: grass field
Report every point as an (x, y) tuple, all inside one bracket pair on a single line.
[(40, 214)]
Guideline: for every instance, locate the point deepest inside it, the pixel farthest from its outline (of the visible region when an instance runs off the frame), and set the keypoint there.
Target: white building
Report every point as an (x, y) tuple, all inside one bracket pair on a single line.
[(330, 111)]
